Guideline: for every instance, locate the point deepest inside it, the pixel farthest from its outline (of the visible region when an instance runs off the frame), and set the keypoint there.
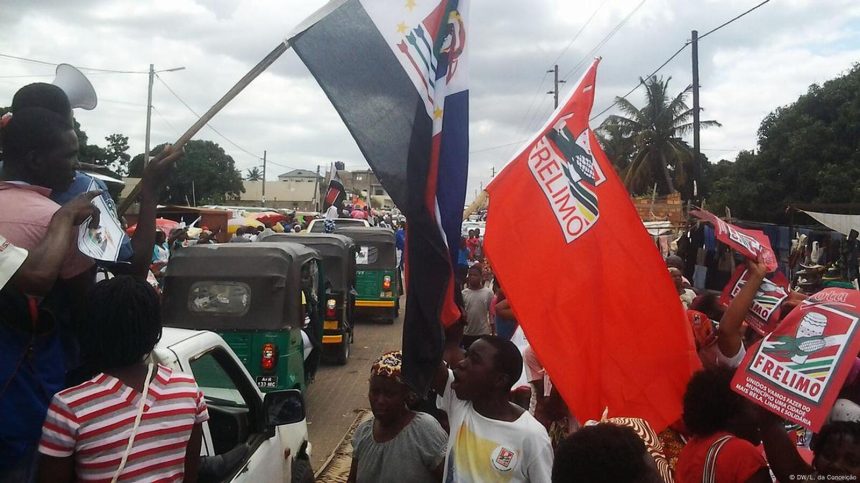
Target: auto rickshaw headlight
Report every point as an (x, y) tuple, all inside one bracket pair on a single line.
[(386, 283)]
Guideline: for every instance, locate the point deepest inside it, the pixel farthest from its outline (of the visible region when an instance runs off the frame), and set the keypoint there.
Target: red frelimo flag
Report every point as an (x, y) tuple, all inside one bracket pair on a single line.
[(584, 279)]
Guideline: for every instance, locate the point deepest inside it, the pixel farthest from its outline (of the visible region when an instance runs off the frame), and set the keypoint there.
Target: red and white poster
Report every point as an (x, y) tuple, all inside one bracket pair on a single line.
[(763, 315), (798, 370), (753, 244)]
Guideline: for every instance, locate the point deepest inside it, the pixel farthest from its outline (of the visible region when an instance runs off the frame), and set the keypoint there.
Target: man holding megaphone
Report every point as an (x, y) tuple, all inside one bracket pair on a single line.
[(39, 157)]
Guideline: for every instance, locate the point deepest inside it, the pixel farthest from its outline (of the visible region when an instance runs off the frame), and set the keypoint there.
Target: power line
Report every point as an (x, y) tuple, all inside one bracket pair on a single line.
[(642, 81), (230, 141), (709, 32), (491, 148), (91, 69), (672, 57), (605, 39), (579, 32)]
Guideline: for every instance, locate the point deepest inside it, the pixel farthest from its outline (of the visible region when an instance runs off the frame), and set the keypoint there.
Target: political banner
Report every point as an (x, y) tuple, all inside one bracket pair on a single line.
[(797, 370), (767, 304), (752, 244)]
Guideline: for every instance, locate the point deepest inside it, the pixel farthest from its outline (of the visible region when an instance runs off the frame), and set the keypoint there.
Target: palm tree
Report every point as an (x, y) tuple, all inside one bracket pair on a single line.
[(254, 174), (660, 156)]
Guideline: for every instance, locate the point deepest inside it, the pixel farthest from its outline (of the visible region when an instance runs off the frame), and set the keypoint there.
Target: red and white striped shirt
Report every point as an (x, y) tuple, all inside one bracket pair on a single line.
[(93, 421)]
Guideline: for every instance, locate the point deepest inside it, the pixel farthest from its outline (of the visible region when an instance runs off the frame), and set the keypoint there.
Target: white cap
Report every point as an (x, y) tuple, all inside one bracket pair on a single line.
[(11, 259)]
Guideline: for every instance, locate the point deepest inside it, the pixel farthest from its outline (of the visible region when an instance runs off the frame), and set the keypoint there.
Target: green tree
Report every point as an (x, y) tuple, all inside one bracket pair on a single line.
[(116, 154), (254, 174), (206, 175), (659, 154), (808, 152)]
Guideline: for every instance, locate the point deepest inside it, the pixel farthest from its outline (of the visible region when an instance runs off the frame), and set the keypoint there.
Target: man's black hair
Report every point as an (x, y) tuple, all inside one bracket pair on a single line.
[(46, 96), (508, 359), (123, 323), (603, 453), (709, 402), (31, 129), (833, 430)]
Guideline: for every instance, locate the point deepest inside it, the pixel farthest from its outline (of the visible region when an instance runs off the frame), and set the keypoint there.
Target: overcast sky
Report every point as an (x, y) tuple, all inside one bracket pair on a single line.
[(747, 69)]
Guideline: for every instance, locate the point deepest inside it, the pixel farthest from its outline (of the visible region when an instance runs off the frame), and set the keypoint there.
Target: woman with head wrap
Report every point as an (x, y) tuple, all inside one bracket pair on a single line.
[(398, 444)]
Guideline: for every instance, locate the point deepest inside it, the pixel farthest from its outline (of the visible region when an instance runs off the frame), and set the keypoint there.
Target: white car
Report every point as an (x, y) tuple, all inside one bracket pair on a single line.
[(318, 225), (272, 425)]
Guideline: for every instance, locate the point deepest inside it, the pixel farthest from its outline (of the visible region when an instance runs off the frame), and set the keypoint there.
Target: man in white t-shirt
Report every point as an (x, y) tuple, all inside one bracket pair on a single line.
[(491, 439)]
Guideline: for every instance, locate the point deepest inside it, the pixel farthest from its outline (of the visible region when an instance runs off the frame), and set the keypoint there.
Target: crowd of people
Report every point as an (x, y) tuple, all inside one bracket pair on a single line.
[(79, 401), (498, 430)]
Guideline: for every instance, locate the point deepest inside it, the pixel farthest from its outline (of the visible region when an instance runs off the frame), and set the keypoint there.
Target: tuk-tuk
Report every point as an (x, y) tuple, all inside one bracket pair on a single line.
[(260, 298), (377, 277), (338, 253)]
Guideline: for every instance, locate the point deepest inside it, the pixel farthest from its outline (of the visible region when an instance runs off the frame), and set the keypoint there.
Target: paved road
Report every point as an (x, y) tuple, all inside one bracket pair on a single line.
[(338, 391)]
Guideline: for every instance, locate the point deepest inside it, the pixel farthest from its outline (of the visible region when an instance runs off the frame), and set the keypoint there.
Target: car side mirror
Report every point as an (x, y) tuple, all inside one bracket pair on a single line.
[(284, 407)]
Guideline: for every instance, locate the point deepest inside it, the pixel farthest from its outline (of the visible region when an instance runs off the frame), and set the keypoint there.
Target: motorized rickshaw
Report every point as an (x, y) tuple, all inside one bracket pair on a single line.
[(260, 298), (377, 276), (338, 254)]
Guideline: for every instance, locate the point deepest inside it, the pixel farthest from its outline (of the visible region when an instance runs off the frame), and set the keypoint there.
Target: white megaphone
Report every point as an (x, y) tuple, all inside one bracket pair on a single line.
[(76, 86)]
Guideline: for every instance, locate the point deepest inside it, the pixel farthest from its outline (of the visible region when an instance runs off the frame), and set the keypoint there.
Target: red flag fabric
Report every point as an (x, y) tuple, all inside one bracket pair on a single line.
[(583, 277), (753, 244), (797, 370)]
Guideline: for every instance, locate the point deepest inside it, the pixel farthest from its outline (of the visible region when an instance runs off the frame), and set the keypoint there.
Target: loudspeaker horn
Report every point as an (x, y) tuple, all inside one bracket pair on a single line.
[(76, 86)]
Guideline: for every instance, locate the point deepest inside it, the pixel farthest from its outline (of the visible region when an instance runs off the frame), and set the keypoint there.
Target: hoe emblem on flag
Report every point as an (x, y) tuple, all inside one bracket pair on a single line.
[(564, 167)]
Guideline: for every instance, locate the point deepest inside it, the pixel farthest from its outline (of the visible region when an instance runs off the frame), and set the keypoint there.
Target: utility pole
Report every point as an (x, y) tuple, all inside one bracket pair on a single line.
[(146, 156), (317, 190), (494, 172), (264, 179), (148, 115), (696, 146), (555, 84)]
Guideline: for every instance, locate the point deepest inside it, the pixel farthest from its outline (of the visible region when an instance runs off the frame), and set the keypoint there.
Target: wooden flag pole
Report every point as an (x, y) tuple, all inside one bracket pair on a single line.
[(233, 92)]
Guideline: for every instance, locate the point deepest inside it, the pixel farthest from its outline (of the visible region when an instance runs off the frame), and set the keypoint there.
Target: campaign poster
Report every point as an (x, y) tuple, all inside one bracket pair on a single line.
[(104, 241), (797, 370), (763, 315), (752, 244)]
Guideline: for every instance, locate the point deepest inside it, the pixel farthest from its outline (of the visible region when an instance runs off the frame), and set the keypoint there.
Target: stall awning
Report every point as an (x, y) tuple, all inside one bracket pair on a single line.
[(841, 223)]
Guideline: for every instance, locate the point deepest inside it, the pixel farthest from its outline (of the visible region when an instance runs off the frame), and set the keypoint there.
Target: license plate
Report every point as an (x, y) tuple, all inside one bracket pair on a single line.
[(330, 325), (267, 382)]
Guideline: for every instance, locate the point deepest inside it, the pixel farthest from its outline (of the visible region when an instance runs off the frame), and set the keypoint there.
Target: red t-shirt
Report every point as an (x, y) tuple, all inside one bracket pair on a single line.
[(737, 461)]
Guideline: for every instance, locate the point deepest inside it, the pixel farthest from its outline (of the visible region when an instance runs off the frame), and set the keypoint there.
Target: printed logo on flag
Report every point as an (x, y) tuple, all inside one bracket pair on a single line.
[(747, 241), (564, 167), (802, 362)]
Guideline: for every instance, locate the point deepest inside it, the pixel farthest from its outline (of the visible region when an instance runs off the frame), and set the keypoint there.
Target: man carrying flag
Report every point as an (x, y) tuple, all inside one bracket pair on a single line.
[(609, 329), (396, 72)]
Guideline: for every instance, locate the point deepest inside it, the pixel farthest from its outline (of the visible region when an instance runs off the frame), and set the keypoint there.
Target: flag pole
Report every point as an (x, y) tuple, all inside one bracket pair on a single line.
[(205, 118)]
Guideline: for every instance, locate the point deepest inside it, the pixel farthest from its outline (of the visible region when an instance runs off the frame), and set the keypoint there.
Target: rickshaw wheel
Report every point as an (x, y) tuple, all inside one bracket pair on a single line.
[(343, 350)]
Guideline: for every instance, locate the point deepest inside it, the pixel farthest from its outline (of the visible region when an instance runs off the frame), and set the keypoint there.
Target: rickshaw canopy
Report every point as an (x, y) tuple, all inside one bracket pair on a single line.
[(380, 242), (338, 254), (253, 286)]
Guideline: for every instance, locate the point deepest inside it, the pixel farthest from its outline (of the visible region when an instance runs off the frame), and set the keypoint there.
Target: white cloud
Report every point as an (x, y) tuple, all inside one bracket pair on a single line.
[(749, 68)]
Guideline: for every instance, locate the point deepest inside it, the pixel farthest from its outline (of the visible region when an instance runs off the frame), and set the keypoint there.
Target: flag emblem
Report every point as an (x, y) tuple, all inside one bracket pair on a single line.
[(564, 167)]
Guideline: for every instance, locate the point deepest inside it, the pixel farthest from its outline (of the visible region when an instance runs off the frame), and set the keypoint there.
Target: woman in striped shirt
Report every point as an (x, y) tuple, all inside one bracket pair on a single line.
[(132, 421)]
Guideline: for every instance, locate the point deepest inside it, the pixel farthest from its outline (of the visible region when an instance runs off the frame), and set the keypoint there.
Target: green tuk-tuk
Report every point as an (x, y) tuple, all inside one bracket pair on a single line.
[(377, 277), (260, 298), (338, 253)]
